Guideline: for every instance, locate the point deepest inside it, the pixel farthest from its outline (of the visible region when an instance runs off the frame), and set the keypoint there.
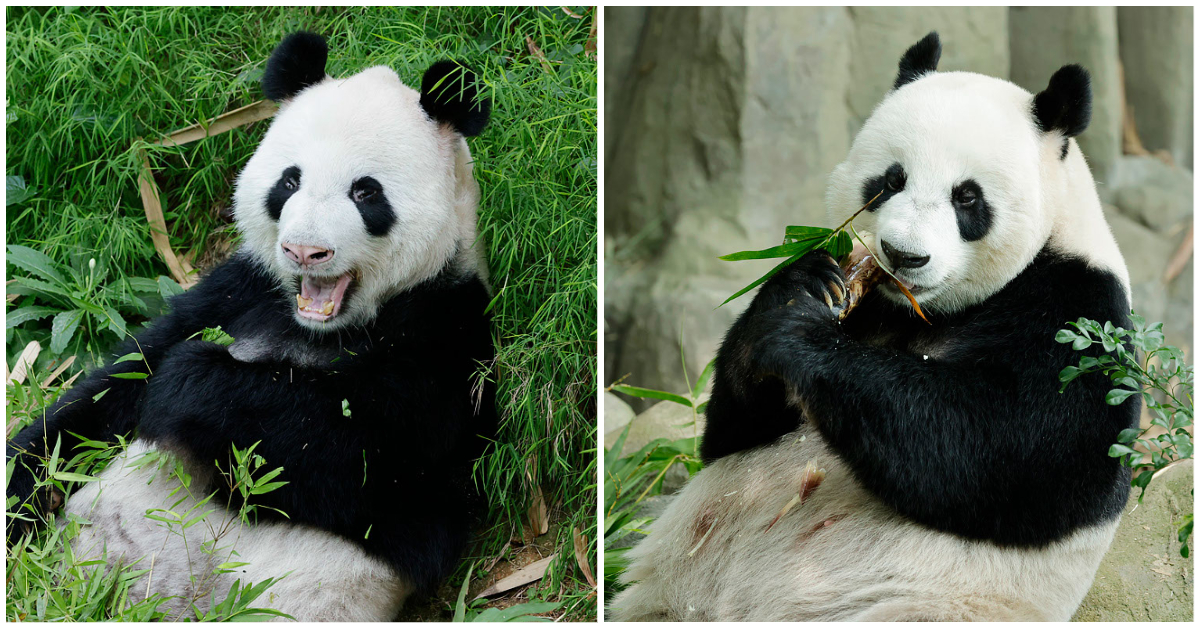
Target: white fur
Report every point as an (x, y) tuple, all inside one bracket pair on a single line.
[(324, 577), (869, 563), (949, 127), (337, 131)]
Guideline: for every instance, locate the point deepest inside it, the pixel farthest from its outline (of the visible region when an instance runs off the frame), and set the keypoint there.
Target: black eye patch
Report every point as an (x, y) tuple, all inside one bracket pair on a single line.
[(886, 185), (284, 188), (971, 211), (373, 206)]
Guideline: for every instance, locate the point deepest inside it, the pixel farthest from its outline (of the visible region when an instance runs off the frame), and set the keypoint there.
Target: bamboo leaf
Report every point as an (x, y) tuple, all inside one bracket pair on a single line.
[(784, 250), (646, 393), (764, 278)]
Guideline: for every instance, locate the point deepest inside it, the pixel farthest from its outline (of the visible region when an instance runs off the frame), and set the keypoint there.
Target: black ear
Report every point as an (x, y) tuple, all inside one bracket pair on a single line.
[(297, 62), (1066, 103), (448, 95), (920, 59)]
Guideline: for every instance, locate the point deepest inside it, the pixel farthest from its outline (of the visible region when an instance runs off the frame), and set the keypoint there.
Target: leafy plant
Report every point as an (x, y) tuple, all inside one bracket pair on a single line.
[(80, 300), (1161, 377), (630, 479)]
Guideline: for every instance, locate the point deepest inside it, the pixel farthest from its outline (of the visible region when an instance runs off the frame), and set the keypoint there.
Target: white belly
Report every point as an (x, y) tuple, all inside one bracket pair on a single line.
[(323, 577), (838, 555)]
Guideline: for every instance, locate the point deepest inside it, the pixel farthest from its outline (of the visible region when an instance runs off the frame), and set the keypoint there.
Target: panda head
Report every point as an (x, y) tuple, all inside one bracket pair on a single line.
[(362, 187), (970, 175)]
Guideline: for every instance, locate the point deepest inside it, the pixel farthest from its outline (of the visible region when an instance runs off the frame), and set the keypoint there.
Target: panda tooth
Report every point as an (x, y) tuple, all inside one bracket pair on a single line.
[(303, 302), (328, 309)]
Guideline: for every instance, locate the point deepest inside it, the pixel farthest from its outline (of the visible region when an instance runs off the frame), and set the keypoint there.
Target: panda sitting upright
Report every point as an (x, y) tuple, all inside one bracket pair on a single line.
[(358, 307), (958, 483)]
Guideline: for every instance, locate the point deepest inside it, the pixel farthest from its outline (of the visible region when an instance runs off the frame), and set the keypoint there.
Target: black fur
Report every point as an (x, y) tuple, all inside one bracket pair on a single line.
[(884, 186), (296, 63), (976, 440), (284, 188), (920, 59), (398, 466), (974, 219), (449, 95), (377, 214), (1065, 105)]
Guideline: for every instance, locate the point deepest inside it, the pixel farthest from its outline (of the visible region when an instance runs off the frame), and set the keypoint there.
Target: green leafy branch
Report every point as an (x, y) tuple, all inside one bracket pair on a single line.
[(1162, 378)]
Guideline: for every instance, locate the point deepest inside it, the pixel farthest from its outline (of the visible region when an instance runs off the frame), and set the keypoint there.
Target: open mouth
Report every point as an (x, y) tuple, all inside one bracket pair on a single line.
[(320, 298)]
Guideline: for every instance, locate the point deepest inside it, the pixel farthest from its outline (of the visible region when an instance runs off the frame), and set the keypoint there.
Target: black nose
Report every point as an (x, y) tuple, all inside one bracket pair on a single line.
[(903, 259)]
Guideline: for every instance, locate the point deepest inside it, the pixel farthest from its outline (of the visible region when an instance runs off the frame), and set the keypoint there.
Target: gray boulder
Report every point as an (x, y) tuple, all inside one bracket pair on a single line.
[(1154, 193), (1156, 50), (1143, 577), (1043, 39), (1146, 254)]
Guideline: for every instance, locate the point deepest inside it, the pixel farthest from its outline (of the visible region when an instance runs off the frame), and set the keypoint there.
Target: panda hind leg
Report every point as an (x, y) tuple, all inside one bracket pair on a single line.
[(321, 577)]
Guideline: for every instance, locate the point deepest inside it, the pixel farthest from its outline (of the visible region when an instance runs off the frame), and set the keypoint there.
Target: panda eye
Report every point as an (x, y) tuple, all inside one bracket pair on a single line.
[(965, 196), (291, 182), (360, 194), (366, 189), (896, 178)]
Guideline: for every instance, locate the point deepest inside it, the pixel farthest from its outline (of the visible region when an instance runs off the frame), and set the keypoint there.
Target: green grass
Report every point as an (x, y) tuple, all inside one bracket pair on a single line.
[(84, 84)]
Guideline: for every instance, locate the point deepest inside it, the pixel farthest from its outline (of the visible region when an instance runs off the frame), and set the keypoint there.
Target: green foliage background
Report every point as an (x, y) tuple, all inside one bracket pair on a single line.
[(84, 84)]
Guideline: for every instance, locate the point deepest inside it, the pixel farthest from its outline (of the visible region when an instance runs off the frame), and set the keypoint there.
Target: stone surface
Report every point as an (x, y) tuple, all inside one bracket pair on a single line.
[(1154, 193), (1179, 323), (974, 39), (1043, 39), (1143, 577), (1146, 255), (665, 419), (617, 414), (1156, 50), (622, 34)]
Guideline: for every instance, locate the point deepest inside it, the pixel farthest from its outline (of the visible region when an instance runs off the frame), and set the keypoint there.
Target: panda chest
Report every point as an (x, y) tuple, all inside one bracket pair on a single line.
[(881, 325)]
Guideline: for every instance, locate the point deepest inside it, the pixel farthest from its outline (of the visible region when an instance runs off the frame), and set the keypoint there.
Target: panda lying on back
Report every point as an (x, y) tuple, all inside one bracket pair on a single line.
[(358, 307), (959, 484)]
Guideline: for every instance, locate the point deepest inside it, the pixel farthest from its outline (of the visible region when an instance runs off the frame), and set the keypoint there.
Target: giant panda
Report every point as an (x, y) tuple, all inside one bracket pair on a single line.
[(959, 484), (357, 303)]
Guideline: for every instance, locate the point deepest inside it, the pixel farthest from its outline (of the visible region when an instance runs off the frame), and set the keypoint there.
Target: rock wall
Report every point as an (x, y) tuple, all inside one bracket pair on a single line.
[(723, 124)]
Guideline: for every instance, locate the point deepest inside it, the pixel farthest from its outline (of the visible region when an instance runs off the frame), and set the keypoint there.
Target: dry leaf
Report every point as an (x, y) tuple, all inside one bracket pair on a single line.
[(590, 48), (539, 515), (581, 543), (24, 362), (67, 384), (529, 573), (495, 560), (537, 53), (58, 371)]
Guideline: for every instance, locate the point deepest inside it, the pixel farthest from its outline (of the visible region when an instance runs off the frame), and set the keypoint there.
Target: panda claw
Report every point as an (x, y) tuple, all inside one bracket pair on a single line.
[(837, 291)]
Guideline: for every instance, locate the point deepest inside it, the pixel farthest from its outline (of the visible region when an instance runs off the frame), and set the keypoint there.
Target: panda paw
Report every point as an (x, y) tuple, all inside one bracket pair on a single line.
[(816, 277), (794, 312)]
